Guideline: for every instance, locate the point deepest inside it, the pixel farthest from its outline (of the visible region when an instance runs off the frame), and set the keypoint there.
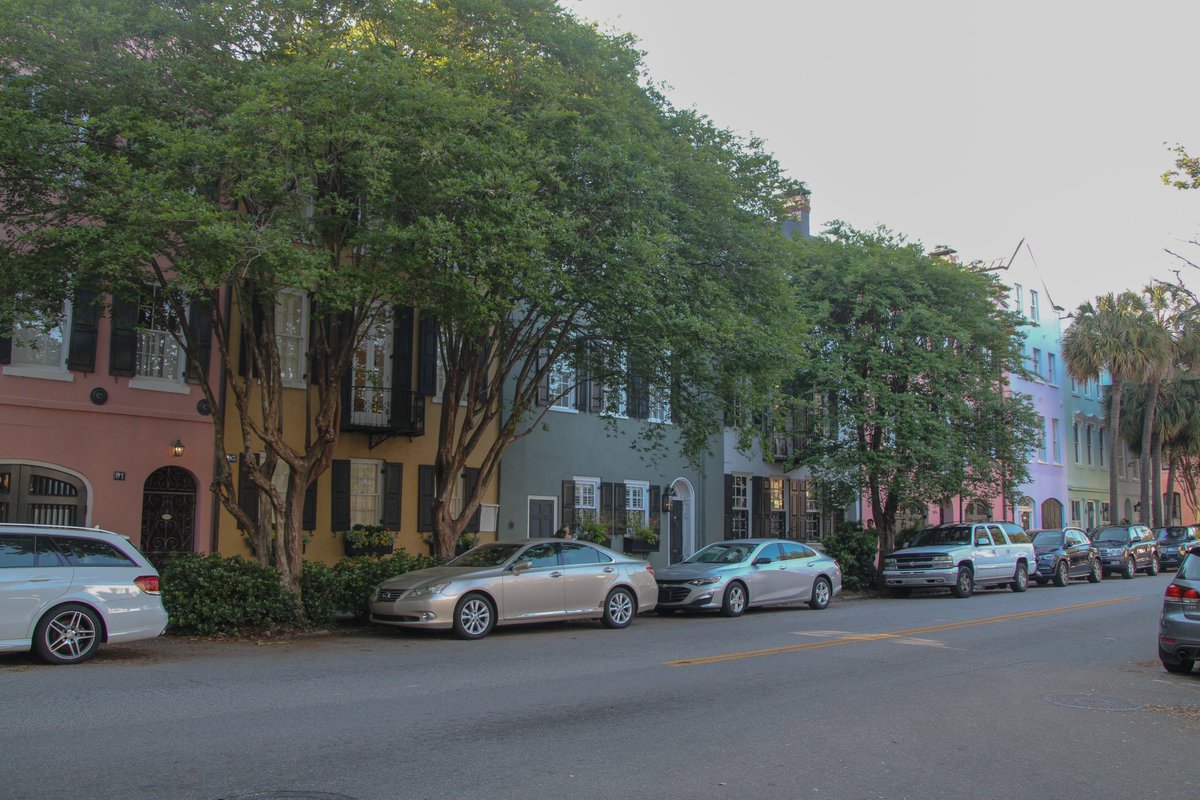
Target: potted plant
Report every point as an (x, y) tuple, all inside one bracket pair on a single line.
[(368, 540), (641, 537), (593, 529)]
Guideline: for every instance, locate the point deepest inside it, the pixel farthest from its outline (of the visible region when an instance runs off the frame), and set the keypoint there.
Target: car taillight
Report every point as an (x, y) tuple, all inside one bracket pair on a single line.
[(650, 570), (150, 584), (1177, 592)]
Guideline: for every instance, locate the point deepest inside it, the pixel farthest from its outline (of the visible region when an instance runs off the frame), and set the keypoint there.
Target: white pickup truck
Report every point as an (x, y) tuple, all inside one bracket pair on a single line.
[(960, 556)]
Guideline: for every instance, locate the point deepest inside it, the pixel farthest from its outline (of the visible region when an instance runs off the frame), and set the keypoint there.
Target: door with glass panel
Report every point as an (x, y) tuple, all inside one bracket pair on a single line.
[(371, 392)]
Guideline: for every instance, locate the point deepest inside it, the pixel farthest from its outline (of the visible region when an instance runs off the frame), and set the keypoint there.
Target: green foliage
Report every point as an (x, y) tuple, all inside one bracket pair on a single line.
[(357, 577), (369, 536), (322, 593), (595, 529), (211, 594), (643, 531), (856, 550)]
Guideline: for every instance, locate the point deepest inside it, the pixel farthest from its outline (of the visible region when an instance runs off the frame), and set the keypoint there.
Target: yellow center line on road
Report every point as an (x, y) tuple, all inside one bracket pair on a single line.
[(875, 637)]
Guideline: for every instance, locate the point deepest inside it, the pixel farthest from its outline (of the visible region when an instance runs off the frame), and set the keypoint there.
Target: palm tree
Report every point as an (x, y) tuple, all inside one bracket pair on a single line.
[(1160, 361), (1110, 336)]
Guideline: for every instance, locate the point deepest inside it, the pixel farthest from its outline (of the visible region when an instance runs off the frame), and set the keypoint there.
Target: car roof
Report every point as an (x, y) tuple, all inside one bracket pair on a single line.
[(73, 530)]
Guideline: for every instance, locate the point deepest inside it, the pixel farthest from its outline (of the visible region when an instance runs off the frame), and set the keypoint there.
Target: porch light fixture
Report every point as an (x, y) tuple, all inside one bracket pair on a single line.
[(667, 495), (177, 449)]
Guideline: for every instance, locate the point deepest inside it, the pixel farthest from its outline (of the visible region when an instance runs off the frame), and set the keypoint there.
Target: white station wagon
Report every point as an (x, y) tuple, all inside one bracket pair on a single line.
[(64, 591)]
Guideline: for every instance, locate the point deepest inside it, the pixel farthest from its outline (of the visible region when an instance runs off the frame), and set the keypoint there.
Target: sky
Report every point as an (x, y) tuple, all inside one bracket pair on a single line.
[(957, 123)]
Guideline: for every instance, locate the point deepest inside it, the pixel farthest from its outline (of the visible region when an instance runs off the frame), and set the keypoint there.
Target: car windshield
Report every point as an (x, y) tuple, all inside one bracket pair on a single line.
[(486, 555), (722, 553), (1171, 534), (1048, 539), (1117, 535), (957, 534)]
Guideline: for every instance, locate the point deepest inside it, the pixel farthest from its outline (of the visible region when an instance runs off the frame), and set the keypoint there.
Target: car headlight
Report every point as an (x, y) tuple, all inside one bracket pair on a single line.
[(704, 581), (942, 562), (425, 591), (1046, 557), (889, 563)]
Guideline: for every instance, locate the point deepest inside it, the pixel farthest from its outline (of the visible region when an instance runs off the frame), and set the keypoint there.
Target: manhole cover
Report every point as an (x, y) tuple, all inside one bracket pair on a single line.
[(1092, 702), (290, 794)]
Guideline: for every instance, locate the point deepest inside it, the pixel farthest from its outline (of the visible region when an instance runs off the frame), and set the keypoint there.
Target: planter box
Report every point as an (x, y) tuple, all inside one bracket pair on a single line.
[(632, 545), (368, 550)]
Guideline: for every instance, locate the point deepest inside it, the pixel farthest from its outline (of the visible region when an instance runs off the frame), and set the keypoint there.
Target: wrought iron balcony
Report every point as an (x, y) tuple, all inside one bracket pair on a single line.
[(382, 410)]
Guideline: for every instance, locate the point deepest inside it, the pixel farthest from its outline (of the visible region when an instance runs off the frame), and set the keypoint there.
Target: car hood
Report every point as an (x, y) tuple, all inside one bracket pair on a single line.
[(1047, 549), (420, 577), (929, 549), (687, 572), (1111, 545)]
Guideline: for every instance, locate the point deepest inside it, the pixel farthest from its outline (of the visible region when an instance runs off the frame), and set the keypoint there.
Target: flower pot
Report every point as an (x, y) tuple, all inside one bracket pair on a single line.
[(367, 549), (632, 544)]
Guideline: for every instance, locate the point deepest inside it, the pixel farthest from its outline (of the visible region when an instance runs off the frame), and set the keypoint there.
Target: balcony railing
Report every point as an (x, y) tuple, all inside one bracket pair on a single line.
[(380, 409)]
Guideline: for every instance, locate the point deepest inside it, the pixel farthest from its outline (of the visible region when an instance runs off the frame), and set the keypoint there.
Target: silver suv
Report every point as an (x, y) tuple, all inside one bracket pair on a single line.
[(960, 556)]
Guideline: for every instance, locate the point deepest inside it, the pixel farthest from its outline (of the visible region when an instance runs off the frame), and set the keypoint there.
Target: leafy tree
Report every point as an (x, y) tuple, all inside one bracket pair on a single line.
[(496, 164), (910, 354)]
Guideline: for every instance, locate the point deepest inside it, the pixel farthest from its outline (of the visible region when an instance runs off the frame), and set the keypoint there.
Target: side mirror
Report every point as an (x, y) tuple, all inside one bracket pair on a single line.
[(521, 566), (760, 561), (981, 541)]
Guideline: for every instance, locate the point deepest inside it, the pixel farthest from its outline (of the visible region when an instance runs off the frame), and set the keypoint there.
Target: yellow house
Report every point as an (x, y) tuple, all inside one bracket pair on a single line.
[(382, 470)]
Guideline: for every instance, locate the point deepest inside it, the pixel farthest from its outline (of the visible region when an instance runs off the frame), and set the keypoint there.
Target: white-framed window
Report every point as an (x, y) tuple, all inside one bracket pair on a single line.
[(1075, 437), (740, 507), (291, 336), (1042, 436), (159, 356), (1034, 309), (370, 392), (587, 498), (1100, 442), (660, 404), (1056, 440), (1037, 362), (1088, 441), (562, 382), (365, 492), (635, 502), (1074, 386), (1051, 369), (39, 350), (1076, 511), (1018, 297)]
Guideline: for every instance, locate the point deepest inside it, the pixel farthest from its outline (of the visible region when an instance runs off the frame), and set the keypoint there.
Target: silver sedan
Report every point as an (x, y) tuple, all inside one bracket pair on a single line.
[(736, 574), (513, 583)]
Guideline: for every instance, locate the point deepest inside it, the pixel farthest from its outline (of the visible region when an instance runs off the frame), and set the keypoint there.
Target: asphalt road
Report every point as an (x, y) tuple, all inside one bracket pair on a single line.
[(1050, 693)]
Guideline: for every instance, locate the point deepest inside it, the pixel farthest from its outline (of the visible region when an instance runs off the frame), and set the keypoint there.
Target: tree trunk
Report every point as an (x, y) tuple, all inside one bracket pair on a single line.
[(1156, 502), (1114, 428), (1147, 451), (1170, 503)]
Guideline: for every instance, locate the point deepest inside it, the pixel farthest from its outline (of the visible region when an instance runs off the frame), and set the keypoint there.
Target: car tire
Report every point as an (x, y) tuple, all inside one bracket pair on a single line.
[(899, 591), (619, 608), (474, 616), (68, 634), (1020, 581), (964, 583), (1128, 569), (1096, 572), (1178, 667), (1153, 568), (1061, 575), (822, 593), (735, 601)]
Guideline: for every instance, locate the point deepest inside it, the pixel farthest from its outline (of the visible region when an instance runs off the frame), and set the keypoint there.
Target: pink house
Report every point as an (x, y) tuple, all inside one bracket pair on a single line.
[(102, 424)]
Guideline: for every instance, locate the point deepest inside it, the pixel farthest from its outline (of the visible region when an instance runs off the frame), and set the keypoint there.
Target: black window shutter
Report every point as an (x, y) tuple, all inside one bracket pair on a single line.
[(310, 508), (247, 493), (122, 357), (255, 324), (200, 327), (760, 505), (620, 501), (427, 356), (795, 509), (339, 473), (470, 479), (402, 360), (728, 506), (5, 348), (639, 399), (85, 323), (542, 398), (393, 489), (485, 361), (607, 512), (655, 501), (568, 504), (314, 357), (425, 492)]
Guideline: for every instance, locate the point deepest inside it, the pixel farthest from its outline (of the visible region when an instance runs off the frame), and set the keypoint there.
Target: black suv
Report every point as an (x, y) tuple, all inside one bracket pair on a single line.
[(1173, 543), (1127, 549)]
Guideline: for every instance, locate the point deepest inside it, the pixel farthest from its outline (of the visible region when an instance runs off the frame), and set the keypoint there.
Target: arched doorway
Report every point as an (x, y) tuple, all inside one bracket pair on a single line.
[(682, 521), (40, 495), (1025, 512), (1052, 513), (168, 514), (977, 511)]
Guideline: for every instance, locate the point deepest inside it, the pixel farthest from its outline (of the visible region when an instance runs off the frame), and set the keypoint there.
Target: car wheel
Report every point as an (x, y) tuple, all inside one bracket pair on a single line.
[(1178, 667), (899, 591), (821, 595), (964, 583), (1060, 574), (474, 617), (1020, 581), (734, 604), (1153, 568), (1128, 569), (619, 608), (1096, 573), (68, 634)]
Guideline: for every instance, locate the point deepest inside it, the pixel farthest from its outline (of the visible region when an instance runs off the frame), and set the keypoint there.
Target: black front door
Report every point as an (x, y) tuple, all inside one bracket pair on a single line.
[(676, 554), (541, 518), (168, 514)]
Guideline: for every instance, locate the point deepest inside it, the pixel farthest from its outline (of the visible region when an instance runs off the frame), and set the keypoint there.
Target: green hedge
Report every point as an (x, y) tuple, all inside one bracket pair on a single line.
[(856, 550), (212, 594)]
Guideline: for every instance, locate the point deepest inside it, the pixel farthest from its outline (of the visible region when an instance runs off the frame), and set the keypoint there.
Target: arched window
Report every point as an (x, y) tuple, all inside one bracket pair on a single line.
[(977, 511), (1052, 513), (41, 496)]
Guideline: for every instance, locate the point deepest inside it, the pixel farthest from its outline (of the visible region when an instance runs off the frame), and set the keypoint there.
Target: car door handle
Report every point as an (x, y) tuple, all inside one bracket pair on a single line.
[(555, 574), (41, 578), (609, 569)]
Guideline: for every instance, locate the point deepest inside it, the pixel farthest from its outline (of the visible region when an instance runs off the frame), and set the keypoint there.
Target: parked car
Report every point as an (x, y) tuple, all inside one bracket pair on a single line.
[(64, 591), (961, 556), (1179, 626), (518, 582), (1174, 542), (739, 573), (1127, 549), (1065, 553)]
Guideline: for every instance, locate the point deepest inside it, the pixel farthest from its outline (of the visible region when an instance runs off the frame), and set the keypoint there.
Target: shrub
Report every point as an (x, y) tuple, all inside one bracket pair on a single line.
[(357, 577), (209, 594), (856, 550), (321, 593)]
